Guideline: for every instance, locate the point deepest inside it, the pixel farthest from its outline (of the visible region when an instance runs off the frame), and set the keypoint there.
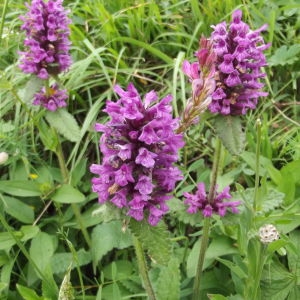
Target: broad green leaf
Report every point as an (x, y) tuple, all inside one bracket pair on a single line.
[(41, 250), (3, 286), (60, 262), (216, 297), (21, 188), (33, 86), (123, 270), (28, 232), (64, 123), (18, 210), (6, 241), (28, 294), (106, 237), (67, 194), (229, 130), (168, 284), (155, 240), (220, 246)]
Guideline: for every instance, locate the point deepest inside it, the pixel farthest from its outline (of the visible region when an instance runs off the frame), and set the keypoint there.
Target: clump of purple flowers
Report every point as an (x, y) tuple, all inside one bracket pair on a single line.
[(51, 98), (139, 146), (200, 202), (47, 39), (238, 65)]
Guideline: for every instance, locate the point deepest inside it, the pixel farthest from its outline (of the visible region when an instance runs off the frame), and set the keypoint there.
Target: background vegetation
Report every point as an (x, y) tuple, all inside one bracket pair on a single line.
[(50, 240)]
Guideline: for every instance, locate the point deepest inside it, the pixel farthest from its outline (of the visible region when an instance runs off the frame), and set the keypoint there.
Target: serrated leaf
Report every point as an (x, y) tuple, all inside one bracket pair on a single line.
[(168, 284), (64, 123), (18, 210), (106, 237), (22, 188), (229, 130), (155, 240), (67, 194), (285, 56)]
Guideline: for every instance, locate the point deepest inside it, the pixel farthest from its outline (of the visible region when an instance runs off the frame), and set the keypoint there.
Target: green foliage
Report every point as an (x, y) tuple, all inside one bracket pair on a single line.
[(229, 130), (58, 236), (155, 240)]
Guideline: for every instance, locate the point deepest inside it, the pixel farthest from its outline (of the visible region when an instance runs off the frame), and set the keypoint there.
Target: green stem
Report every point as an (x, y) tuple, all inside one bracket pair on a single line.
[(206, 225), (3, 18), (204, 244), (143, 268), (258, 125)]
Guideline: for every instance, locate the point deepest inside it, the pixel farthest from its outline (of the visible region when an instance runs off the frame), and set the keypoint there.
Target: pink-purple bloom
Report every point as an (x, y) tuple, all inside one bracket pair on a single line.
[(47, 39), (139, 147), (239, 52), (51, 98), (200, 202)]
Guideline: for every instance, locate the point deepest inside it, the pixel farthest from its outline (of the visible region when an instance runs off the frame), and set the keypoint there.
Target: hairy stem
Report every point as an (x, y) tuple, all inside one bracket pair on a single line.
[(206, 224), (143, 268)]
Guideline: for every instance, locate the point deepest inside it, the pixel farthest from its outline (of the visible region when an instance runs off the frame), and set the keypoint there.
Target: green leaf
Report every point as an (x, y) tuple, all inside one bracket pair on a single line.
[(18, 210), (48, 135), (67, 194), (219, 246), (41, 250), (285, 56), (229, 130), (28, 294), (106, 237), (64, 123), (155, 239), (123, 270), (22, 188), (33, 86), (6, 241), (60, 262), (168, 284)]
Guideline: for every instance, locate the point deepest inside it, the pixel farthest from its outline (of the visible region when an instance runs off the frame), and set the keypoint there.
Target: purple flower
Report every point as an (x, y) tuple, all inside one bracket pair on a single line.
[(200, 202), (47, 39), (139, 147), (52, 99), (238, 65)]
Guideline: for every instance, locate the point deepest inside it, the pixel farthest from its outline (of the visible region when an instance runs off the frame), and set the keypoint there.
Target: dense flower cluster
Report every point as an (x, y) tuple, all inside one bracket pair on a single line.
[(139, 146), (51, 98), (268, 234), (47, 39), (240, 57), (200, 202)]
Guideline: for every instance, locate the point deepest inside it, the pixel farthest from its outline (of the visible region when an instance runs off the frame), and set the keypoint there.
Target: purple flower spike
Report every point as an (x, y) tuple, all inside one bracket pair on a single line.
[(238, 65), (139, 147), (199, 202), (52, 99), (47, 39)]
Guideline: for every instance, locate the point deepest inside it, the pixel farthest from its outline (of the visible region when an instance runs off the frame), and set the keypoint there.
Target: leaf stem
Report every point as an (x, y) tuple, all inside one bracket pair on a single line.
[(143, 267), (3, 18), (207, 223)]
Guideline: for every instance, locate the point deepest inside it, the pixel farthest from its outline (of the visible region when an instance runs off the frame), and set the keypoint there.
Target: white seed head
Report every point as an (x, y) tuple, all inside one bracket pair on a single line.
[(268, 233), (3, 157)]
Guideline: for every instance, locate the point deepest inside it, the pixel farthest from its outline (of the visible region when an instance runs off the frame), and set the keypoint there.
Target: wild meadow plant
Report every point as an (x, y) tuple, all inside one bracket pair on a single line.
[(151, 194)]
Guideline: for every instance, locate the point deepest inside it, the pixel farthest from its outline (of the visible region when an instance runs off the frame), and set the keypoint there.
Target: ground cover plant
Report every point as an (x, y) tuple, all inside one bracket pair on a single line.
[(149, 150)]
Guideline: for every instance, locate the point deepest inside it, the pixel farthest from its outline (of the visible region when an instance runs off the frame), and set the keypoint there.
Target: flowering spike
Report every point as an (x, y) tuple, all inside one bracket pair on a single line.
[(240, 56), (139, 147), (47, 39)]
